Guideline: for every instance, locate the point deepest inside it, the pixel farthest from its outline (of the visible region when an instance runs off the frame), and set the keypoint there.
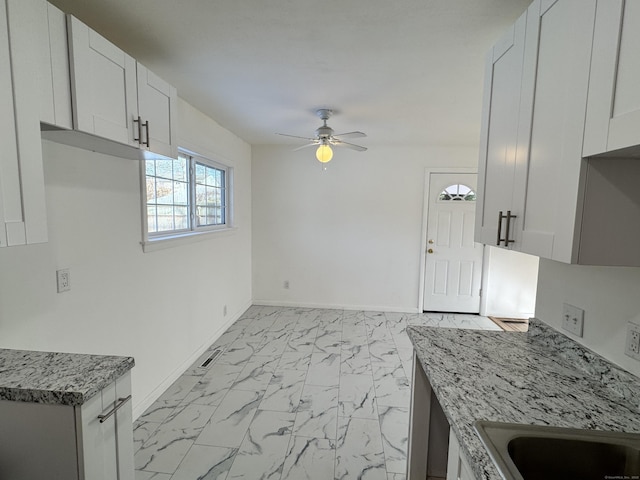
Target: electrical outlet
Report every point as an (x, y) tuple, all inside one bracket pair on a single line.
[(572, 319), (63, 278), (285, 284), (632, 347)]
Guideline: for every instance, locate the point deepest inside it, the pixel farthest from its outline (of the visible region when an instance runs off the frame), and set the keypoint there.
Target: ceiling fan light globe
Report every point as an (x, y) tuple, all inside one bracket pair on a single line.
[(324, 154)]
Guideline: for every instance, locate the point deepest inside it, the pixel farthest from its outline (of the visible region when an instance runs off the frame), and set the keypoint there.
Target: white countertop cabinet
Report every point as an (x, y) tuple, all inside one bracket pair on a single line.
[(613, 113), (69, 442), (23, 218)]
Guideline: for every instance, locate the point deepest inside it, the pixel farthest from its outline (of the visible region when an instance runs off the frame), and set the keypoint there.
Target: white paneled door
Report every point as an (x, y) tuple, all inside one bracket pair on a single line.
[(453, 269)]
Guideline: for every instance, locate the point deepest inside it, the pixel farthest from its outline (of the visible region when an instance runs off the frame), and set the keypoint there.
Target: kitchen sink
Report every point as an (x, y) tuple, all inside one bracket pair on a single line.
[(532, 452)]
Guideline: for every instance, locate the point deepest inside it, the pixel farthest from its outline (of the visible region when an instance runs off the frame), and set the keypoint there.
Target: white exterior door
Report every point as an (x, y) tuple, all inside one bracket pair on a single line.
[(453, 269)]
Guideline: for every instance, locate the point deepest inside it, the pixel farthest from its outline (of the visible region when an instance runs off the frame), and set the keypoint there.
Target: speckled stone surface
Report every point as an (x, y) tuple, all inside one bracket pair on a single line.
[(57, 378), (541, 377)]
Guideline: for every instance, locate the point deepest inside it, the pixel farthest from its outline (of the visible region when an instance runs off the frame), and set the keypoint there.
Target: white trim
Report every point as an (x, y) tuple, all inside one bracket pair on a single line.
[(161, 243), (425, 216), (366, 308), (140, 407)]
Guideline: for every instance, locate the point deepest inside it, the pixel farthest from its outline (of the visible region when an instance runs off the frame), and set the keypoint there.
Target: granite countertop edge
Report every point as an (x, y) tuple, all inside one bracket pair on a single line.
[(541, 377), (57, 378)]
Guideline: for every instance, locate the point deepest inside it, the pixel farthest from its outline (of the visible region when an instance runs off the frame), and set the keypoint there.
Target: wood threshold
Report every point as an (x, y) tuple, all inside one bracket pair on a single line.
[(511, 324)]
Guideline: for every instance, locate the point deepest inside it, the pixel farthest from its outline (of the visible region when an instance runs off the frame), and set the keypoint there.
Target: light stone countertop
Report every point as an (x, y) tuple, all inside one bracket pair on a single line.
[(57, 378), (541, 377)]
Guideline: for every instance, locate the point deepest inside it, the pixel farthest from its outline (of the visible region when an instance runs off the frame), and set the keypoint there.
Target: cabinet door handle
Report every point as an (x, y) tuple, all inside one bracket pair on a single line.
[(139, 122), (147, 143), (121, 401), (507, 240), (500, 217)]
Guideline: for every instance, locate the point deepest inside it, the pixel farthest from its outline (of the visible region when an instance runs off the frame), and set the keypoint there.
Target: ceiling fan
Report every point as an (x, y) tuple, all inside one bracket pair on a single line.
[(325, 138)]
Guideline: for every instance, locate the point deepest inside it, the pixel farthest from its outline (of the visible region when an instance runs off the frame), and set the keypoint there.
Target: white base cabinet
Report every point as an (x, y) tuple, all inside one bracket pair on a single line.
[(62, 442)]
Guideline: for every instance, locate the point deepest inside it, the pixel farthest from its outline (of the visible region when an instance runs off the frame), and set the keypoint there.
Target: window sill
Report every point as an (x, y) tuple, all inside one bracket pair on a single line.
[(153, 245)]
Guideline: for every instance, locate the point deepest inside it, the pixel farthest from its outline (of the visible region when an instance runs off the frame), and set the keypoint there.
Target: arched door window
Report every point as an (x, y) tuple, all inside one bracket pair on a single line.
[(459, 192)]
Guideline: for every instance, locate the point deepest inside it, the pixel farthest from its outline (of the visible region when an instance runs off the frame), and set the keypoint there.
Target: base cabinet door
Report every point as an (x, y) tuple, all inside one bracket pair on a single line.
[(103, 85), (107, 436), (458, 467), (613, 113)]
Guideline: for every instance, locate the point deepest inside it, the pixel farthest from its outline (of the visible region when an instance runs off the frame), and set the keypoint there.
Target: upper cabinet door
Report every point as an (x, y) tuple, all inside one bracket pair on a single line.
[(555, 84), (23, 218), (54, 80), (613, 113), (499, 135), (156, 104), (103, 84)]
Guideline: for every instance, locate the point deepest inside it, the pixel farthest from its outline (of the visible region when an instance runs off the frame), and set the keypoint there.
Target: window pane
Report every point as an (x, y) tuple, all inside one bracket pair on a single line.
[(151, 190), (200, 173), (150, 167), (151, 219), (165, 218), (201, 195), (164, 168), (180, 193), (164, 191), (181, 215), (180, 169)]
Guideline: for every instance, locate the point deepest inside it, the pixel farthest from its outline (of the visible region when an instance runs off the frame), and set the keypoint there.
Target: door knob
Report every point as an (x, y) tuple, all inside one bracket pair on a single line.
[(430, 250), (430, 241)]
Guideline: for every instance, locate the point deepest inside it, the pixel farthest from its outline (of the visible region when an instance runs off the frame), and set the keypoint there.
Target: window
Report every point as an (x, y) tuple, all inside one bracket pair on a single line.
[(457, 193), (186, 195)]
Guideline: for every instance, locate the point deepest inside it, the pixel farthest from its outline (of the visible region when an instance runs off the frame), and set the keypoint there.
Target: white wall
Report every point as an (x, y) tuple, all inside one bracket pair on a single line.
[(164, 307), (610, 297), (348, 237), (509, 283)]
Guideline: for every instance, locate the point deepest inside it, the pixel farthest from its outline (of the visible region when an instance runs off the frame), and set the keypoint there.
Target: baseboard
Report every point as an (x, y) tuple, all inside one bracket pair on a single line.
[(366, 308), (139, 407)]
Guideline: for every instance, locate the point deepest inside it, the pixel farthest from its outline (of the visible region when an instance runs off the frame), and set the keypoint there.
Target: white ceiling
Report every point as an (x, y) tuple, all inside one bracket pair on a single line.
[(406, 72)]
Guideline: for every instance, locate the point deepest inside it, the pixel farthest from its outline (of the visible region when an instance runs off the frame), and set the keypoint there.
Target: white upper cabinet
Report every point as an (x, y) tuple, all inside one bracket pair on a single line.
[(23, 218), (613, 113), (117, 98), (555, 84), (55, 82), (103, 83), (156, 105), (500, 173)]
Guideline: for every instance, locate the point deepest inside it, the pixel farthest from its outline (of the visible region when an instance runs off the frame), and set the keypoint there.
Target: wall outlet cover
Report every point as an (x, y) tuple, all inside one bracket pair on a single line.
[(572, 319), (63, 280), (632, 344)]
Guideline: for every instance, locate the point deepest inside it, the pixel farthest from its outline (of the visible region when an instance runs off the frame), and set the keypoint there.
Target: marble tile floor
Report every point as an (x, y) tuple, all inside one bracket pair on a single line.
[(296, 394)]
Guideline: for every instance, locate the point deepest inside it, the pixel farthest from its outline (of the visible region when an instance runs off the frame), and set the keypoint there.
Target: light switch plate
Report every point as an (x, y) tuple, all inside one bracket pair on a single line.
[(572, 319)]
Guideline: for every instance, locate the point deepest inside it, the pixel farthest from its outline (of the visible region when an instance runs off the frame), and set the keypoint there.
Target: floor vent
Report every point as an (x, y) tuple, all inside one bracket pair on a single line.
[(212, 358)]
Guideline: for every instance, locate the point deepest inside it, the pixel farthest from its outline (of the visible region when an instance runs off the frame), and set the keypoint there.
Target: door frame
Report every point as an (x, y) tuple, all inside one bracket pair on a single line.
[(425, 217)]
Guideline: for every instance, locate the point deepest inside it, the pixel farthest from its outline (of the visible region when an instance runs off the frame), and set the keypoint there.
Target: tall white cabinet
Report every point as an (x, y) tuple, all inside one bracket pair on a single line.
[(23, 218)]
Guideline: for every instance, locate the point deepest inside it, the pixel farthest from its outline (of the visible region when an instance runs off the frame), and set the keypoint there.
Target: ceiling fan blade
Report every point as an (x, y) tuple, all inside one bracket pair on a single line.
[(304, 146), (296, 136), (351, 135), (340, 143)]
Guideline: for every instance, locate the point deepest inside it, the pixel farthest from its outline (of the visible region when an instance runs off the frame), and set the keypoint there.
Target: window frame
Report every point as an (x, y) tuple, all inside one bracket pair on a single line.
[(158, 240)]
